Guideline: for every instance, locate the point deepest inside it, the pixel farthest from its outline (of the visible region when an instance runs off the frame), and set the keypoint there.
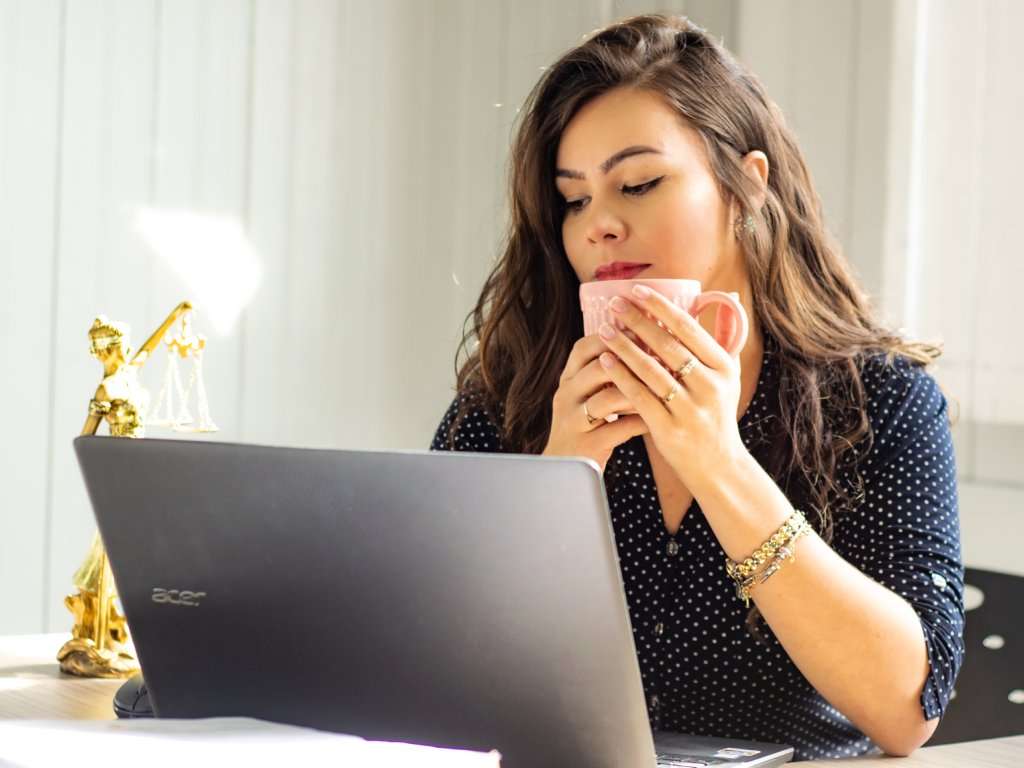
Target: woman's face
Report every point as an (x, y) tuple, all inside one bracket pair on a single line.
[(657, 203)]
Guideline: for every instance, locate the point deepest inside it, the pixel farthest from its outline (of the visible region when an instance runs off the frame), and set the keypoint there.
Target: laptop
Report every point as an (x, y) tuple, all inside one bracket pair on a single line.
[(465, 600)]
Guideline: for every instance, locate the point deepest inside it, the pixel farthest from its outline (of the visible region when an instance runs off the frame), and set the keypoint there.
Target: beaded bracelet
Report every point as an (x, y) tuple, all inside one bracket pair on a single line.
[(784, 553), (766, 552)]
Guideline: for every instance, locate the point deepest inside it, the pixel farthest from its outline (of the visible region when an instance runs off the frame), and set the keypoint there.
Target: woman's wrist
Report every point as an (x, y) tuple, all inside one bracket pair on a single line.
[(742, 502), (725, 466)]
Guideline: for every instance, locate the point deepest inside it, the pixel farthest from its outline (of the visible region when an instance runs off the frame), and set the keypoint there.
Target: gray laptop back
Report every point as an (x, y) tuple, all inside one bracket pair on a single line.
[(455, 599)]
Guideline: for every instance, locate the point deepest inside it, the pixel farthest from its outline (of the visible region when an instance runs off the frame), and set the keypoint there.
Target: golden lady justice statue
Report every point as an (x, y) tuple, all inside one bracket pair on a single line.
[(100, 645)]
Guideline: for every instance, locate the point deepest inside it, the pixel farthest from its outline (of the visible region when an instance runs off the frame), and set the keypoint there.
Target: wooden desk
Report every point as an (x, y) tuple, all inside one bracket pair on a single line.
[(32, 686), (991, 753)]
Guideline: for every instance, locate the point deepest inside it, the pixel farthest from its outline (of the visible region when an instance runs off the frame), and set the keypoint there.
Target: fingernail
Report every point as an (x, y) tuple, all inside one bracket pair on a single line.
[(618, 304), (606, 331), (641, 291), (607, 359)]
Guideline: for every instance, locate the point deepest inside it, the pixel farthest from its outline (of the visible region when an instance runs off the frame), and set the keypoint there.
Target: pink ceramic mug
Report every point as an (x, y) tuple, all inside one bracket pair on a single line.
[(731, 323)]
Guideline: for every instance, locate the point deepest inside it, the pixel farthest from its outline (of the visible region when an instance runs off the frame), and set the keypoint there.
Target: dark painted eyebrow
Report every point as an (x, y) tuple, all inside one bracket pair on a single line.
[(610, 163)]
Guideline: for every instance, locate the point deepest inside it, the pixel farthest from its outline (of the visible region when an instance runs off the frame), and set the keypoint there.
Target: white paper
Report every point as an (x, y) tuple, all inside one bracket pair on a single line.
[(222, 741)]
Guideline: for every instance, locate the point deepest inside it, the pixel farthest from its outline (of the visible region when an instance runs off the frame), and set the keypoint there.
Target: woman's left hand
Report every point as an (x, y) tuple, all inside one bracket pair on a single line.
[(696, 429)]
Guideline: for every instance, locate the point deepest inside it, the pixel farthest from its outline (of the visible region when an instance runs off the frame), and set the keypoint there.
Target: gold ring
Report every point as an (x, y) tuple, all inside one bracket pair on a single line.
[(590, 419), (686, 368), (668, 398)]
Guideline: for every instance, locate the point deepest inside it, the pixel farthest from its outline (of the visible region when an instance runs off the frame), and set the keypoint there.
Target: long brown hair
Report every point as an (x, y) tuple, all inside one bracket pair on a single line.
[(804, 294)]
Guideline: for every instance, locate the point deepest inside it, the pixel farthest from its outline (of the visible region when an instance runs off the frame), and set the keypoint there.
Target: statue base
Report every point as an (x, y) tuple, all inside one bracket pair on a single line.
[(82, 658)]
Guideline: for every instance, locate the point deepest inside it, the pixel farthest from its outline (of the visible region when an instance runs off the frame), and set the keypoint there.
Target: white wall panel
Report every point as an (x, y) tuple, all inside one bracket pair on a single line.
[(328, 131), (964, 267), (940, 292), (998, 260), (806, 54), (263, 413), (30, 89)]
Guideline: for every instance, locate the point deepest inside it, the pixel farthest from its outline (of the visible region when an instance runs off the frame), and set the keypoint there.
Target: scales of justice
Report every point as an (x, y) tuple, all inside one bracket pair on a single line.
[(100, 644)]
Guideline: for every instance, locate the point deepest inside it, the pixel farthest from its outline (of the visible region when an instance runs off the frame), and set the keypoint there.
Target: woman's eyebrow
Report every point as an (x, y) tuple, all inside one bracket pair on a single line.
[(610, 163)]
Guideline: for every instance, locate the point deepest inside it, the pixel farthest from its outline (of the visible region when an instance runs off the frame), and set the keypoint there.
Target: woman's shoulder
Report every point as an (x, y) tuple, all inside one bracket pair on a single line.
[(891, 380), (904, 401), (471, 423), (894, 385)]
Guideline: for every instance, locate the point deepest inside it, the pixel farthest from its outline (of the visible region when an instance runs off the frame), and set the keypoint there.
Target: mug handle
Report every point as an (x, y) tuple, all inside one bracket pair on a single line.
[(731, 327)]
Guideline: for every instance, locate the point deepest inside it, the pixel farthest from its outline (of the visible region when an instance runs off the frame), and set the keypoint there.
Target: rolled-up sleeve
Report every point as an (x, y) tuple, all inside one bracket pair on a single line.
[(905, 530)]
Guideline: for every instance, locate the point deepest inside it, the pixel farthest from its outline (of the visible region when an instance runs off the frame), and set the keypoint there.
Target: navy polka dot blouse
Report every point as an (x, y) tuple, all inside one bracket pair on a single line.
[(703, 672)]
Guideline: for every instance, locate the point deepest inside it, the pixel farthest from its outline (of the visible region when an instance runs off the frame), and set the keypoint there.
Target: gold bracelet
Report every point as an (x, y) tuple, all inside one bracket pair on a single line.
[(784, 553), (764, 553)]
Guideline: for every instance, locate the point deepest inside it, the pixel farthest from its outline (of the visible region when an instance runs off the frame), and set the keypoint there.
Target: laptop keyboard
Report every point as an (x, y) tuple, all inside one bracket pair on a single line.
[(675, 761)]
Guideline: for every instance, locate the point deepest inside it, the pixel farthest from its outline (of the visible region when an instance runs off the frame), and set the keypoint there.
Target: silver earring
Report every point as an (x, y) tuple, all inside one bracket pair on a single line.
[(744, 225)]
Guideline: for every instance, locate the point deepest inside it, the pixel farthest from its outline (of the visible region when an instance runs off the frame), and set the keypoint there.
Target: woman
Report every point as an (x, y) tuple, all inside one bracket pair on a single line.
[(649, 145)]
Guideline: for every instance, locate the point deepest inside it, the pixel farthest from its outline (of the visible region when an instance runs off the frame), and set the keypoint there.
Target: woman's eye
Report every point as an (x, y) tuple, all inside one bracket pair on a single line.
[(575, 206), (641, 188)]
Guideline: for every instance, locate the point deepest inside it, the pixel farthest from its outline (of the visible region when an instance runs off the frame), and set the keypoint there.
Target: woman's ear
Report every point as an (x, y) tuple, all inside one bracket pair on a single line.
[(755, 165)]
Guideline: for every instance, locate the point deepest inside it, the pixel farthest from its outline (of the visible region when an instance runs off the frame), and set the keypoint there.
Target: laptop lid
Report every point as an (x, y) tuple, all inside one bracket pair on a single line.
[(455, 599)]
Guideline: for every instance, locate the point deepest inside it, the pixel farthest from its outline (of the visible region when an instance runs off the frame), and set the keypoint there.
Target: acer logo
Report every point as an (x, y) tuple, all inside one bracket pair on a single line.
[(176, 597)]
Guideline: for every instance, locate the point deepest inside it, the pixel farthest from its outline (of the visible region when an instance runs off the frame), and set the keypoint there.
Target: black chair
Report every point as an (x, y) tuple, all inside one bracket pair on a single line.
[(989, 700)]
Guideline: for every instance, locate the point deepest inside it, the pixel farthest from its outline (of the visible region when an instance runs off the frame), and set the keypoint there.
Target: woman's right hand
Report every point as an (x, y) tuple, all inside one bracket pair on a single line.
[(585, 381)]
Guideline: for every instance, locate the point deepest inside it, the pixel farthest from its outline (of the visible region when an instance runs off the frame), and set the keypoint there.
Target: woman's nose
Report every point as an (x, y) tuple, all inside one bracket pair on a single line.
[(605, 226)]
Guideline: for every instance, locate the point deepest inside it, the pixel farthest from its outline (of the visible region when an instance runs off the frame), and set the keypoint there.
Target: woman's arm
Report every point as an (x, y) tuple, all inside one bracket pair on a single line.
[(864, 647), (858, 643)]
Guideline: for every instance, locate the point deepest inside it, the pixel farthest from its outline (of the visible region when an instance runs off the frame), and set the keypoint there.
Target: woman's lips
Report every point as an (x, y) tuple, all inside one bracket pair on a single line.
[(621, 272)]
